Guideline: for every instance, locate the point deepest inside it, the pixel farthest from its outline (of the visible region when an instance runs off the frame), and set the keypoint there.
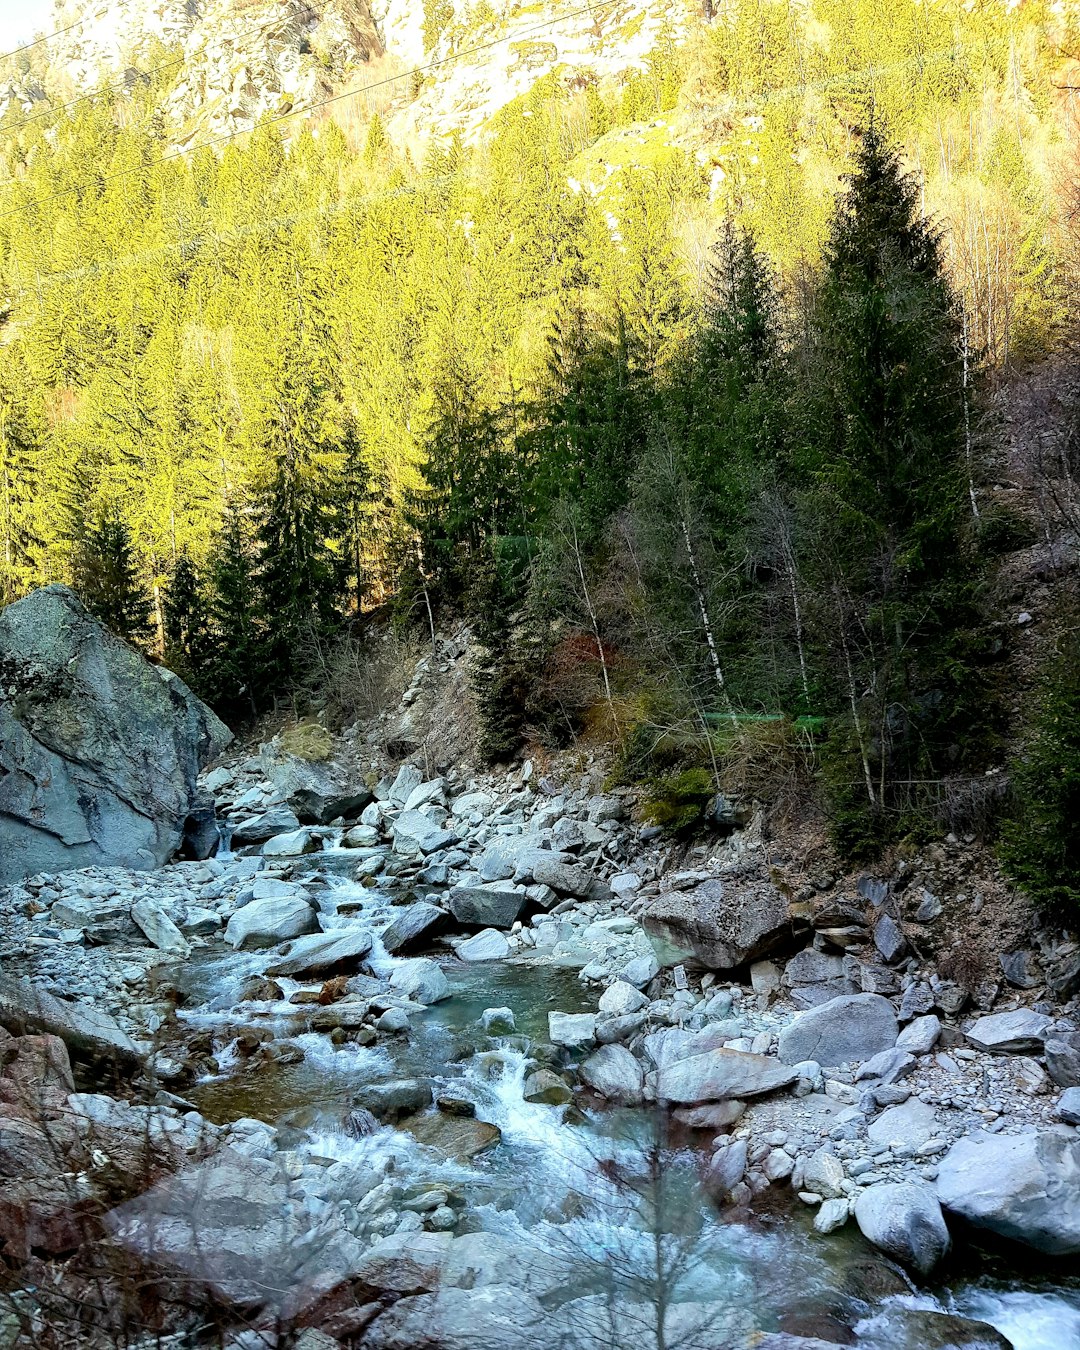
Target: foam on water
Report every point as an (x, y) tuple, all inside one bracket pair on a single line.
[(1032, 1321)]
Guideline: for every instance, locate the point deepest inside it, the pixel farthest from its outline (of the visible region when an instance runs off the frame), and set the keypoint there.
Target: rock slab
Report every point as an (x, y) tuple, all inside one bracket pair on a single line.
[(99, 749), (1025, 1187)]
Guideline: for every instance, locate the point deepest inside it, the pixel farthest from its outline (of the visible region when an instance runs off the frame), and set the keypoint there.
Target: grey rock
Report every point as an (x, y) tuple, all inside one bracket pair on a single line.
[(258, 829), (84, 1029), (854, 1027), (621, 999), (889, 940), (159, 929), (1068, 1106), (887, 1067), (920, 1036), (388, 1101), (1021, 969), (568, 878), (726, 1169), (546, 1088), (721, 1075), (640, 970), (405, 784), (413, 925), (928, 909), (294, 844), (265, 923), (498, 1021), (1062, 1053), (905, 1222), (823, 1174), (421, 980), (337, 951), (1025, 1187), (488, 905), (832, 1215), (912, 1123), (1063, 977), (1021, 1032), (571, 1029), (100, 750), (720, 928), (414, 832), (712, 1116), (489, 945), (813, 967), (614, 1073)]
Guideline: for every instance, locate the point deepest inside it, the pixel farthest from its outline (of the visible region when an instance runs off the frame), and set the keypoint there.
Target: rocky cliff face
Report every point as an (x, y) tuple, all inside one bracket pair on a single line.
[(99, 749), (228, 63)]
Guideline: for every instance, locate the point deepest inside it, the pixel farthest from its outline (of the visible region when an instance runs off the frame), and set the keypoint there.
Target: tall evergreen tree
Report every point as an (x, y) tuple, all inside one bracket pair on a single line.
[(106, 577), (234, 673), (884, 505), (21, 451)]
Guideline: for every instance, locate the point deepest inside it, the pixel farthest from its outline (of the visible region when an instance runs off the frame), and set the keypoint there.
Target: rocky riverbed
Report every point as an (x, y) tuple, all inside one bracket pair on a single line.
[(483, 1060)]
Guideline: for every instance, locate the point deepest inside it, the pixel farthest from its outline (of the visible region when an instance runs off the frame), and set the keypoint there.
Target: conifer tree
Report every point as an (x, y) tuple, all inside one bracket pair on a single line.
[(233, 675), (186, 637), (20, 453), (106, 577), (884, 506)]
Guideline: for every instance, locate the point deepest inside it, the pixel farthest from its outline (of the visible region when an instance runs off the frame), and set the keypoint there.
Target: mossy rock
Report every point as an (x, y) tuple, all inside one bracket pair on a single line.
[(308, 740)]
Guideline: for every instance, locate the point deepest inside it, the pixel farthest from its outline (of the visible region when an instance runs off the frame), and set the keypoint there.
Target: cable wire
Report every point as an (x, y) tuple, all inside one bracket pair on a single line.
[(309, 12), (47, 37), (101, 179)]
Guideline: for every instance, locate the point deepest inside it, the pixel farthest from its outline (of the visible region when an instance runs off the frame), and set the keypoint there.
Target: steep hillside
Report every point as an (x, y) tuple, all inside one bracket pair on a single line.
[(435, 69)]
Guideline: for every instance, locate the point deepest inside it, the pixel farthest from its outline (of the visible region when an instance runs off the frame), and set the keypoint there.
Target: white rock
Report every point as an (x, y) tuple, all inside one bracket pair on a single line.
[(264, 923), (571, 1029), (420, 979), (489, 945), (621, 999)]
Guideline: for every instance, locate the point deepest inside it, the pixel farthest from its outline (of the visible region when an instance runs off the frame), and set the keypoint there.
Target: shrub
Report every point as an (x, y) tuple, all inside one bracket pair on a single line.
[(679, 803)]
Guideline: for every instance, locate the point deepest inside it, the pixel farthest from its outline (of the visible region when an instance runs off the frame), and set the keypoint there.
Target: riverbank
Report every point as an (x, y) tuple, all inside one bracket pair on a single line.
[(464, 1043)]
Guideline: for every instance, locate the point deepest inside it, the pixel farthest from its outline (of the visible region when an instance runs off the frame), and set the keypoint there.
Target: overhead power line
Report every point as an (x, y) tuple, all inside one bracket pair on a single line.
[(308, 12), (101, 179), (46, 37)]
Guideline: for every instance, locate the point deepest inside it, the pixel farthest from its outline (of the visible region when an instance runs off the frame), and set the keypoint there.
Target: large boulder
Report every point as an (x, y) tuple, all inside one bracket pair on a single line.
[(1021, 1186), (265, 923), (1063, 1059), (722, 927), (487, 905), (99, 749), (414, 925), (1020, 1032), (906, 1222), (335, 952), (614, 1073), (846, 1030), (721, 1075), (84, 1029)]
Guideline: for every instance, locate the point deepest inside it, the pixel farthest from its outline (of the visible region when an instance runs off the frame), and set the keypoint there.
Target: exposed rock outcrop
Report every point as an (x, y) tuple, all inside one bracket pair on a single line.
[(99, 749), (721, 927)]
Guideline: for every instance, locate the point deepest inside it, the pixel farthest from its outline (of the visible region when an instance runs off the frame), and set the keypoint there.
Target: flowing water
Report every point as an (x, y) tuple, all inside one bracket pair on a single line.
[(598, 1192)]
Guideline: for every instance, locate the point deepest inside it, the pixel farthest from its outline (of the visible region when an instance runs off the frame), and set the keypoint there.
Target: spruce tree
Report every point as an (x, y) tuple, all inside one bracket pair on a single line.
[(20, 454), (233, 672), (186, 637), (884, 499), (106, 577)]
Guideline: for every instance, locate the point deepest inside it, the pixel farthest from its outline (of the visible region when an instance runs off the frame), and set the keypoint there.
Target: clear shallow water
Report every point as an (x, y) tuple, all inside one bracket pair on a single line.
[(620, 1210)]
